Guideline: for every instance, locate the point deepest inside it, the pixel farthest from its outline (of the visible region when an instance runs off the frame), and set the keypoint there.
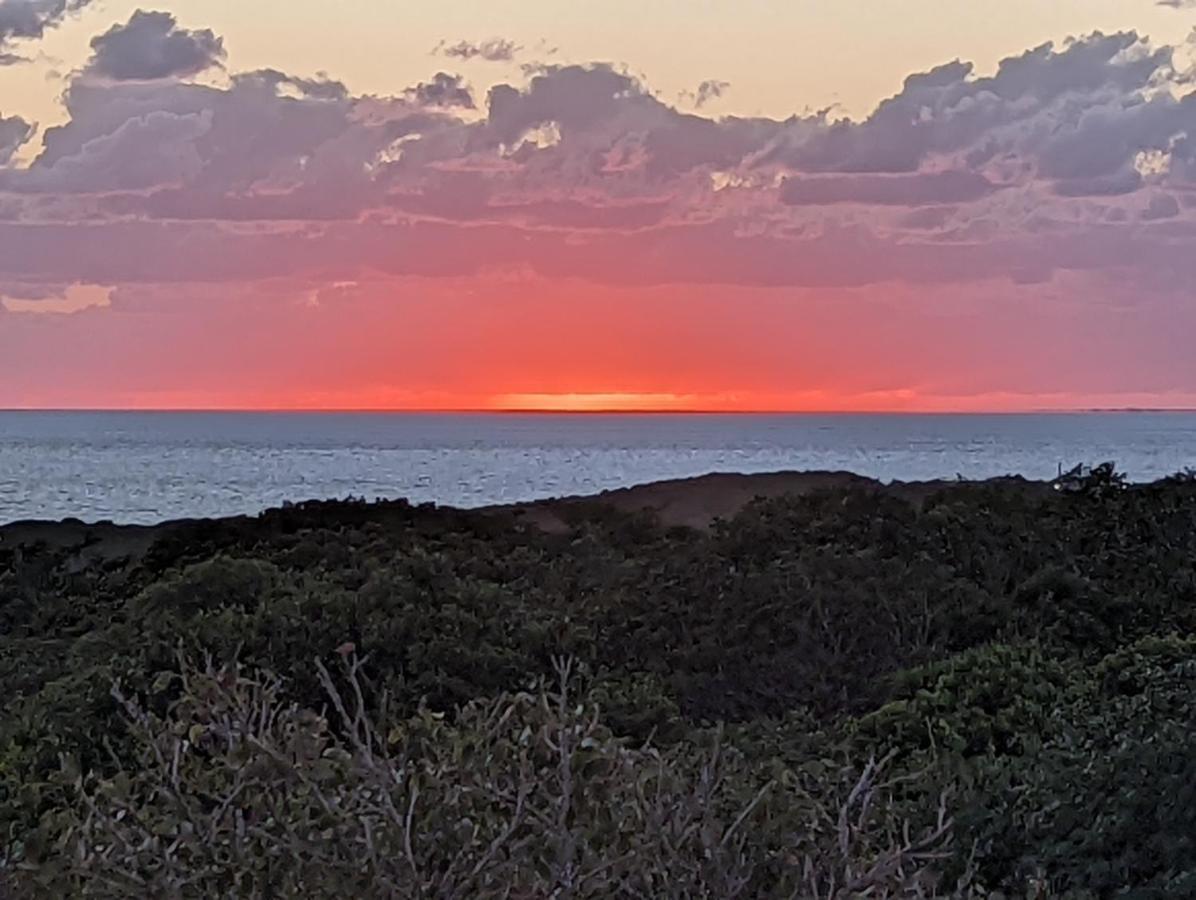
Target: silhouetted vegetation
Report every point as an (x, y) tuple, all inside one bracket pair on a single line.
[(855, 691)]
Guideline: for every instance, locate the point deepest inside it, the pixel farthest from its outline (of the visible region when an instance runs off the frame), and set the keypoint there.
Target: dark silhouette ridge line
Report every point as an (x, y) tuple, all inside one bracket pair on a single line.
[(694, 502)]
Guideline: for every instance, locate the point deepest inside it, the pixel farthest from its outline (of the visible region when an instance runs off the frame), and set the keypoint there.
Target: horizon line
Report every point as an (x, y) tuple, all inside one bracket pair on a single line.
[(539, 411)]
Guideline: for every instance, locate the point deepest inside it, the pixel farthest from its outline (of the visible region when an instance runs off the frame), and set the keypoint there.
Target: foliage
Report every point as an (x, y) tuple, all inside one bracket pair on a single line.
[(1094, 481), (237, 793), (993, 700), (1025, 648), (1108, 802)]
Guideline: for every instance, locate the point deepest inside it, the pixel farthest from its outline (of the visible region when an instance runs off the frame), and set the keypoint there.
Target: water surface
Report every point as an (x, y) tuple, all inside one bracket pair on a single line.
[(145, 467)]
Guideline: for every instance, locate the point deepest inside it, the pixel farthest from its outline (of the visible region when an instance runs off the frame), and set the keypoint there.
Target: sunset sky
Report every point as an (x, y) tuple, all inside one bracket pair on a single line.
[(598, 204)]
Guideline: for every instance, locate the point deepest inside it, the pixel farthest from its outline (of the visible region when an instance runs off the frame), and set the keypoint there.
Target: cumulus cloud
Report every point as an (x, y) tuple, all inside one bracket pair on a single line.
[(575, 98), (30, 19), (152, 45), (443, 90), (266, 136), (153, 149), (14, 133), (582, 172), (492, 50), (1042, 105)]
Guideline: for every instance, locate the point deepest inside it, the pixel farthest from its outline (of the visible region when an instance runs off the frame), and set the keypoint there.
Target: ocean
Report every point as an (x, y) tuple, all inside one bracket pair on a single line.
[(138, 467)]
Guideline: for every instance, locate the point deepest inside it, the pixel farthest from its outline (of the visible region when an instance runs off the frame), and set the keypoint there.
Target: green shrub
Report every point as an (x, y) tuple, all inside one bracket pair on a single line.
[(1107, 805), (1028, 645), (994, 700), (238, 793)]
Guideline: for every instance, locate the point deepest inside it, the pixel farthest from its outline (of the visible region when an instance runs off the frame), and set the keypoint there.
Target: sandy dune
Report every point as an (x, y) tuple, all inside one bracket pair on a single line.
[(697, 502)]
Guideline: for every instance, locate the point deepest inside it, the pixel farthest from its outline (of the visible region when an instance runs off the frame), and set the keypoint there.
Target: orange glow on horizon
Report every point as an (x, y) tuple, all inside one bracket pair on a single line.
[(629, 401), (900, 401), (608, 402)]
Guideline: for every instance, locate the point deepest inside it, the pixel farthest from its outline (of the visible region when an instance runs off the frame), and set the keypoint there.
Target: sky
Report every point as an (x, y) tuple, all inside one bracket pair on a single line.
[(598, 204)]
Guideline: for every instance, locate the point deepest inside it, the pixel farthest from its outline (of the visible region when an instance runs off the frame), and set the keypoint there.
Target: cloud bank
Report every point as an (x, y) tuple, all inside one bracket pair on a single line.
[(1039, 161), (1067, 174)]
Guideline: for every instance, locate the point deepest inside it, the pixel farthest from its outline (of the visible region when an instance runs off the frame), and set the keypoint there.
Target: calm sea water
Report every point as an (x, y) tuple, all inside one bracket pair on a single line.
[(145, 467)]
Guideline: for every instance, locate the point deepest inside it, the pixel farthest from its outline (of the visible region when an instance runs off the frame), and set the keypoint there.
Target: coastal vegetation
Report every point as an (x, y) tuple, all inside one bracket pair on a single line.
[(950, 691)]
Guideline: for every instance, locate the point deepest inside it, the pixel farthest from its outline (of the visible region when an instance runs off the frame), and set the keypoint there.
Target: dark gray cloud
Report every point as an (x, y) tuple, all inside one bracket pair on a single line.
[(1105, 140), (1161, 206), (273, 81), (492, 50), (152, 45), (14, 133), (143, 152), (443, 90), (1046, 94), (928, 218), (1075, 117), (29, 20), (1178, 4), (707, 91), (139, 135), (1126, 180), (886, 190), (703, 253), (606, 121), (581, 171), (575, 98)]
